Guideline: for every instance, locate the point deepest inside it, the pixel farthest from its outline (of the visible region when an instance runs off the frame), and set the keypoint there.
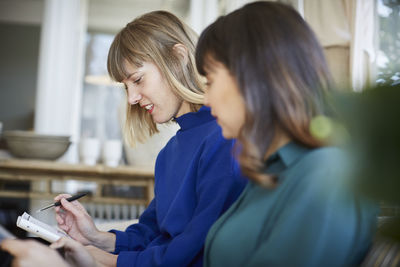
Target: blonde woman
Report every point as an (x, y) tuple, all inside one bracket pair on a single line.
[(196, 177)]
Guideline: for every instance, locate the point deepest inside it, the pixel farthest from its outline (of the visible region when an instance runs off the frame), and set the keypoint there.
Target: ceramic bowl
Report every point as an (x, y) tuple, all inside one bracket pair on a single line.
[(27, 144)]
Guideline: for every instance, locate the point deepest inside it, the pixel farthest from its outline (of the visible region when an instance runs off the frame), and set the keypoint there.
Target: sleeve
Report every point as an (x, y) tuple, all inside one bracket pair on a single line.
[(218, 186), (323, 224), (137, 236)]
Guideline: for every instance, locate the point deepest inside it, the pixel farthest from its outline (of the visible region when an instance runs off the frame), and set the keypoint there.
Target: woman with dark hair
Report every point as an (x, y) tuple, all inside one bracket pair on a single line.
[(267, 79)]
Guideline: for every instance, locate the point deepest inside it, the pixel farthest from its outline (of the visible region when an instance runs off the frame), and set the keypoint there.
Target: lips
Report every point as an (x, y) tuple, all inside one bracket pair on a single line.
[(149, 108)]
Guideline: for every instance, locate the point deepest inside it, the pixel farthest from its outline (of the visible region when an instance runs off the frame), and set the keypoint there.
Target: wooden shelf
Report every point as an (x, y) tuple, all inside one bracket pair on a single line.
[(48, 171)]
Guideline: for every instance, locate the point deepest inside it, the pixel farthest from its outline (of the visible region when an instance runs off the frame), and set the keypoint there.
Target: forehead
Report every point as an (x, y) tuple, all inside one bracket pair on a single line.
[(128, 68), (146, 67), (211, 65)]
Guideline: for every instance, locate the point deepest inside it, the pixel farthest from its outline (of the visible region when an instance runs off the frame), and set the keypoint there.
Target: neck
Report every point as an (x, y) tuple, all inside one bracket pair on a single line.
[(280, 139), (183, 109)]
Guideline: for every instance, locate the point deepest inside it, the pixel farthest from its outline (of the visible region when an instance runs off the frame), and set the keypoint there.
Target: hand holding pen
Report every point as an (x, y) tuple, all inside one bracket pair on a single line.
[(58, 203), (73, 219)]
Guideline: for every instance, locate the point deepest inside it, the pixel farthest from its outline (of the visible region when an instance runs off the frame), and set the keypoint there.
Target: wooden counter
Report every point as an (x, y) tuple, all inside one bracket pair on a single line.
[(12, 170)]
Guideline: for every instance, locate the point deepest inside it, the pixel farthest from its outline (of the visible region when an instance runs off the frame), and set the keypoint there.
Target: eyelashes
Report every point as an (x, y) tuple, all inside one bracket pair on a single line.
[(137, 81)]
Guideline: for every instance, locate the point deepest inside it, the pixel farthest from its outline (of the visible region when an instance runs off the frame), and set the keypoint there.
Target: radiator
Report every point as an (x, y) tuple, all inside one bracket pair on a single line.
[(113, 212)]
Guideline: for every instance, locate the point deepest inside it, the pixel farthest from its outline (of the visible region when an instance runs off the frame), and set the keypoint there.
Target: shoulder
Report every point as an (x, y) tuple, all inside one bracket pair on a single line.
[(325, 167), (325, 157), (322, 158), (214, 134), (214, 143), (216, 154), (203, 142)]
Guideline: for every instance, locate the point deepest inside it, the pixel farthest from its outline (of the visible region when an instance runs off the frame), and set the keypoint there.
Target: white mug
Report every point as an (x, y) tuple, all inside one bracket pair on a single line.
[(112, 152), (89, 150)]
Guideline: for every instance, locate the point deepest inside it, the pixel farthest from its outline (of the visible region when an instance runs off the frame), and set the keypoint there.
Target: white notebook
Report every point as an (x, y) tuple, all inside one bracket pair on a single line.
[(41, 229)]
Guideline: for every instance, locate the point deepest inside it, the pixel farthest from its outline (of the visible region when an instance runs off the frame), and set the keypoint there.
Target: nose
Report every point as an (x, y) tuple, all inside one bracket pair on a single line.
[(133, 96)]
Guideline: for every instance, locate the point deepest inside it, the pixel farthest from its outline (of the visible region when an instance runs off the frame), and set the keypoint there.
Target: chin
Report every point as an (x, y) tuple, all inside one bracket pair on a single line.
[(161, 120), (227, 135)]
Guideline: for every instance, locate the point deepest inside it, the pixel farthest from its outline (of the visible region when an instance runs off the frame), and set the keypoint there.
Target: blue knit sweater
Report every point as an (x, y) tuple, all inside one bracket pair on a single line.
[(196, 180)]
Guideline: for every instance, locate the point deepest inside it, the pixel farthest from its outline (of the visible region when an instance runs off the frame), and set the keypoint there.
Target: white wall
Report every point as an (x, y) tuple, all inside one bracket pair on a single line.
[(103, 15)]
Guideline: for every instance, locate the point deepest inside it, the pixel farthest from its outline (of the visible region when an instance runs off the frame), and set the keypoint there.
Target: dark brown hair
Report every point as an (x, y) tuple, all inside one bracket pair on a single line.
[(281, 72)]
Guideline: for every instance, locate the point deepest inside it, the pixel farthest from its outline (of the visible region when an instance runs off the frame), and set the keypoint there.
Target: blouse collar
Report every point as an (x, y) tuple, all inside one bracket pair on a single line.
[(285, 156)]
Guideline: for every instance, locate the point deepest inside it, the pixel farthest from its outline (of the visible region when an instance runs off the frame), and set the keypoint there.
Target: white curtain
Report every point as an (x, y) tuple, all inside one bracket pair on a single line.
[(202, 13), (345, 29)]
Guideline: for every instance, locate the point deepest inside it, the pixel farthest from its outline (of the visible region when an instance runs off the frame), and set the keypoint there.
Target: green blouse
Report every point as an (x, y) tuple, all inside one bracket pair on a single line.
[(310, 219)]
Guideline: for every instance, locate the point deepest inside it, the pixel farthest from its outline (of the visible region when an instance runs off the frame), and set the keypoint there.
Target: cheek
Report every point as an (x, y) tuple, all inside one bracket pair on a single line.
[(209, 98), (240, 115), (206, 97), (236, 113)]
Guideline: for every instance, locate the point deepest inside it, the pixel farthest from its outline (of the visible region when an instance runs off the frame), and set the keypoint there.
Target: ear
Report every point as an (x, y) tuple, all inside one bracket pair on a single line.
[(181, 51)]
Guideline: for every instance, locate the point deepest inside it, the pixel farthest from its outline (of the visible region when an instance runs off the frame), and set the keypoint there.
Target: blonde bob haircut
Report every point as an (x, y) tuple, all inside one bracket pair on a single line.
[(152, 38)]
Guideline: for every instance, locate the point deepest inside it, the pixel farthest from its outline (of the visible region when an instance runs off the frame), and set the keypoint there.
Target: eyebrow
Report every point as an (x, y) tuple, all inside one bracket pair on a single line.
[(130, 75), (209, 68), (209, 65)]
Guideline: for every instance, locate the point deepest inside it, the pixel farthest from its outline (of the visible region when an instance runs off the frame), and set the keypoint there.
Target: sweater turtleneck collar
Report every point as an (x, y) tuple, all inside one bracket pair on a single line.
[(192, 119)]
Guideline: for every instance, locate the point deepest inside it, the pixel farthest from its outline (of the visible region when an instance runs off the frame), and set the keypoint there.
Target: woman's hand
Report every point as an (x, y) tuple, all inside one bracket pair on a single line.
[(73, 218), (75, 253), (32, 253), (102, 258)]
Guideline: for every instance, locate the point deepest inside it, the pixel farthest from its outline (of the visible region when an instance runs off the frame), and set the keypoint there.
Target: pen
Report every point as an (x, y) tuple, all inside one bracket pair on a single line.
[(58, 203)]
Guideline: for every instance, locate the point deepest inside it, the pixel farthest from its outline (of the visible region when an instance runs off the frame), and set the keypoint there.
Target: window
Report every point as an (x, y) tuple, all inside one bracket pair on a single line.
[(388, 55), (102, 99)]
